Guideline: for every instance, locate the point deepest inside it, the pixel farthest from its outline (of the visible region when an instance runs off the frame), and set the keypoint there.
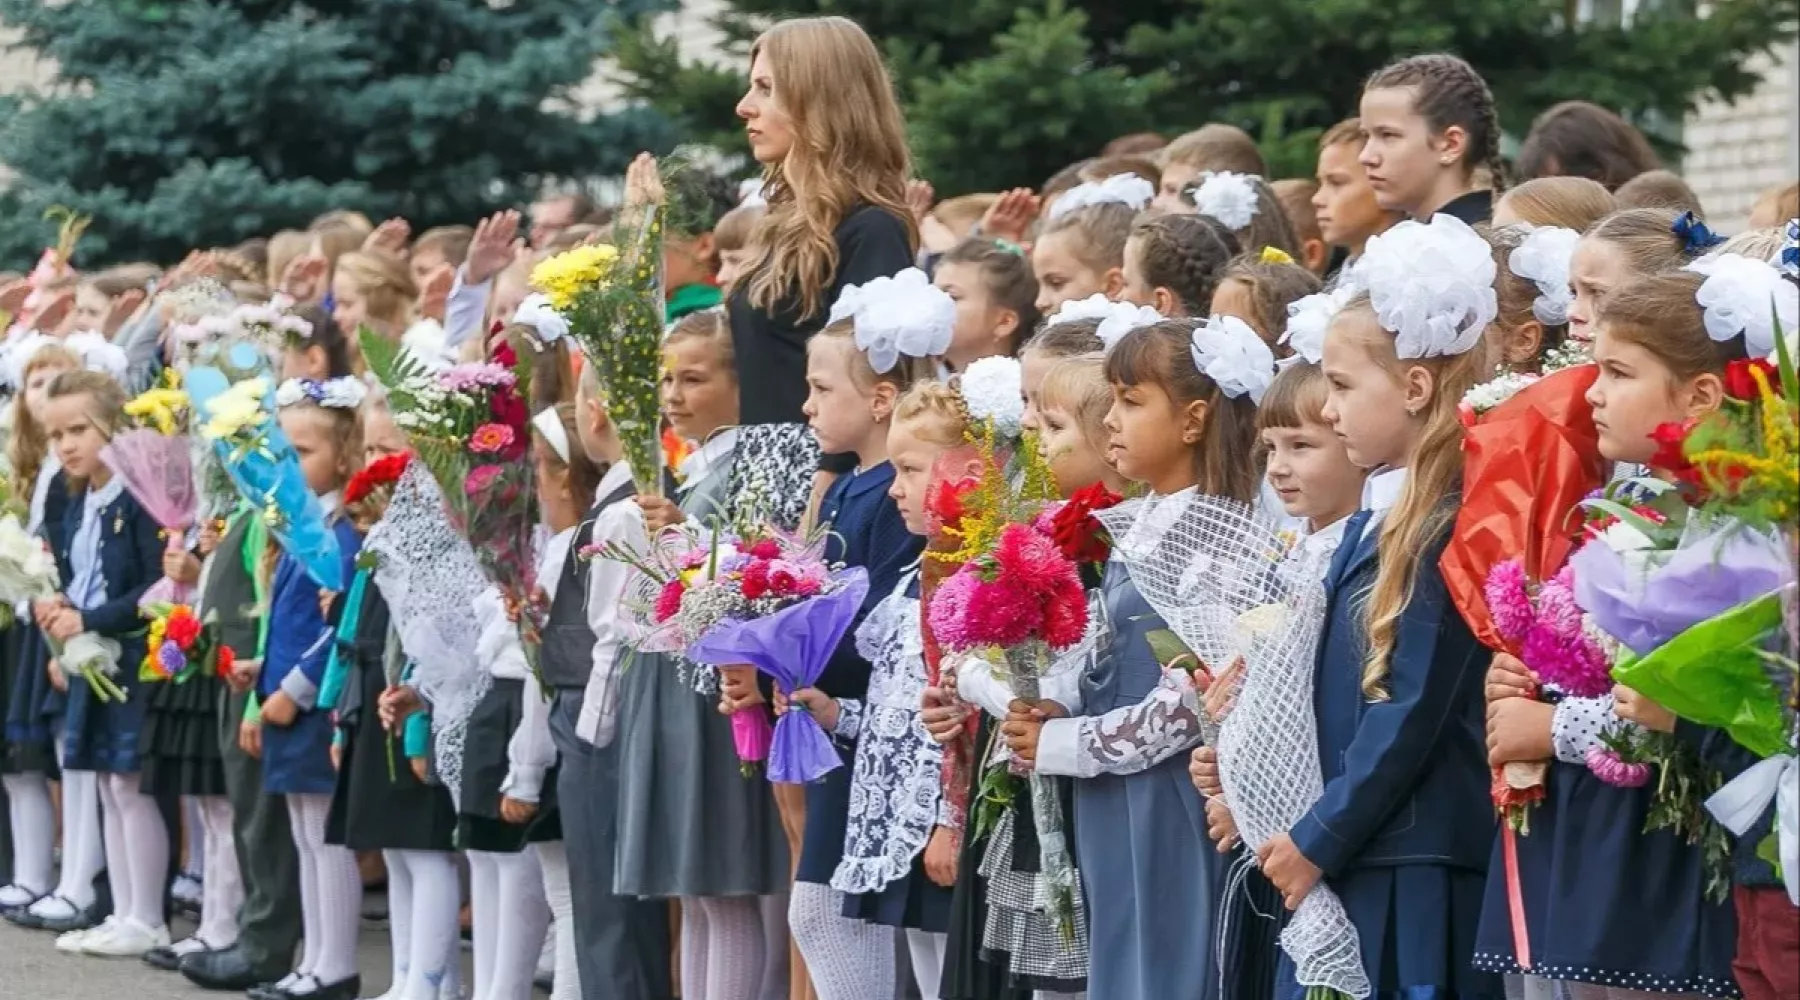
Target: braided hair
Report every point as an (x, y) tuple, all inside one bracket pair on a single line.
[(1187, 254), (1450, 92)]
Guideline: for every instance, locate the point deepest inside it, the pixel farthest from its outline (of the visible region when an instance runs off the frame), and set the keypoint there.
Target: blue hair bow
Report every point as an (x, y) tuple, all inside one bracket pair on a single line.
[(1790, 249), (1696, 239)]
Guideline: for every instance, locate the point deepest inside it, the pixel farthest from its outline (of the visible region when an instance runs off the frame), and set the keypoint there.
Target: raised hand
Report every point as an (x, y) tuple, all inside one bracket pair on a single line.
[(643, 182), (1011, 215), (495, 245), (391, 237), (434, 295)]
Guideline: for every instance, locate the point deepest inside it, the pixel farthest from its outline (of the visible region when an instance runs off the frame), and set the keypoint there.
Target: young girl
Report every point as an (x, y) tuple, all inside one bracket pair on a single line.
[(1657, 364), (731, 237), (296, 734), (689, 825), (1081, 252), (1150, 895), (1624, 245), (1429, 123), (1569, 202), (848, 406), (110, 553), (372, 289), (1306, 462), (1247, 206), (28, 755), (1258, 290), (381, 801), (996, 299), (1402, 830), (1173, 263), (1061, 336), (322, 352)]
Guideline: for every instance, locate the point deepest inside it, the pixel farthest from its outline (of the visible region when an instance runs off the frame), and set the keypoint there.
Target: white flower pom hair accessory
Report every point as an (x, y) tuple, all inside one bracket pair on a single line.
[(1129, 190), (1308, 319), (1230, 353), (904, 315), (1116, 318), (1432, 286), (346, 393), (1743, 295), (536, 312), (1543, 259), (1227, 197), (993, 389)]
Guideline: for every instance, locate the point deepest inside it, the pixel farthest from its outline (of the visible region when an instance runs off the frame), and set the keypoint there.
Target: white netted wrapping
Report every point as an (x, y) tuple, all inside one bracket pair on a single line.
[(1219, 574), (430, 578)]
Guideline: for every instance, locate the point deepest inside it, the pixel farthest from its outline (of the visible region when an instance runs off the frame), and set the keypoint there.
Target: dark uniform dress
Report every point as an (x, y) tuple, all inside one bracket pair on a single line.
[(297, 758), (30, 707), (180, 745)]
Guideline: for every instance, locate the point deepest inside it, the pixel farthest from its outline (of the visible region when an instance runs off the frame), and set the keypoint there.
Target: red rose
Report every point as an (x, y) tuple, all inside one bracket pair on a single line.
[(766, 548), (1740, 383), (182, 628), (783, 583), (227, 660), (755, 582), (1095, 496), (1669, 455)]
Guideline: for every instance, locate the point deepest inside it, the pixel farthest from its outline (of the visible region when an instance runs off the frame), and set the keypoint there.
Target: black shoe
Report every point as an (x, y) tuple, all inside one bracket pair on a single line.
[(348, 989), (225, 970), (544, 984), (163, 958), (83, 919)]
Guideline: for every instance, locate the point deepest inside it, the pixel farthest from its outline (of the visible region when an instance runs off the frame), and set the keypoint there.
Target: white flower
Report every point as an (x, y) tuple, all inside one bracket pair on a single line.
[(993, 390), (1484, 397), (346, 393), (1432, 286), (1121, 189), (1123, 319), (429, 345), (99, 354), (1227, 197), (1748, 297), (26, 567), (1543, 259), (1308, 319), (1095, 306), (294, 326), (902, 315), (537, 312), (1234, 357)]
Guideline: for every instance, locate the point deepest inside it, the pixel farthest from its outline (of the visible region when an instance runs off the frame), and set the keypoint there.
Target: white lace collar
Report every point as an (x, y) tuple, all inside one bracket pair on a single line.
[(715, 449)]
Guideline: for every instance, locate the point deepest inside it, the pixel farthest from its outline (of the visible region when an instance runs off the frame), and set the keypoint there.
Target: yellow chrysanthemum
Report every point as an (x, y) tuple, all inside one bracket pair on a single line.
[(159, 408), (565, 276), (236, 409)]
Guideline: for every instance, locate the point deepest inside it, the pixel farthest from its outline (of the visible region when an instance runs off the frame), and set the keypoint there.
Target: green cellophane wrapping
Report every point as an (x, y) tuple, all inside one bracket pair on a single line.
[(1717, 674)]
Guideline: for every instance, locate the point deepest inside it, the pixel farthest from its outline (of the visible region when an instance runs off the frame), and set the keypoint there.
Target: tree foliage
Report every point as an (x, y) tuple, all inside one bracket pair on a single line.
[(1000, 94), (182, 123)]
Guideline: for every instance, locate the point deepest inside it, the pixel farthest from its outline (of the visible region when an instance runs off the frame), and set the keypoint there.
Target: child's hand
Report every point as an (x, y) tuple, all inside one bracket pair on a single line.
[(244, 674), (1023, 725), (1011, 215), (391, 238), (43, 607), (516, 812), (304, 277), (643, 182), (659, 513), (418, 768), (57, 679), (737, 689), (940, 856), (1220, 825), (250, 739), (495, 245), (1634, 707), (181, 566), (821, 706), (434, 294), (1507, 677), (279, 710), (1040, 710), (1518, 729), (942, 714), (920, 196), (1203, 771), (1288, 869), (337, 753), (64, 624), (1222, 693), (397, 704)]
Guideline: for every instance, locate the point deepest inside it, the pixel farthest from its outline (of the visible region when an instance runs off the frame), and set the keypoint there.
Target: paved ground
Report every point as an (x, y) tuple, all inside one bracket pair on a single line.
[(32, 969)]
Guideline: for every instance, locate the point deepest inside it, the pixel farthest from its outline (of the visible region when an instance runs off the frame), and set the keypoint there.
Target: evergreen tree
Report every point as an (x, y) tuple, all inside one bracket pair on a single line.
[(183, 123), (999, 94)]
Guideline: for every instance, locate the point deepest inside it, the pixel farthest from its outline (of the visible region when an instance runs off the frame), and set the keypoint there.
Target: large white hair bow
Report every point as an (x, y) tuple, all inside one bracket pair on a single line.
[(1116, 318), (993, 390), (1743, 295), (1233, 356), (1308, 319), (1543, 259), (536, 312), (1432, 286), (902, 315), (1122, 189), (1228, 197), (99, 354)]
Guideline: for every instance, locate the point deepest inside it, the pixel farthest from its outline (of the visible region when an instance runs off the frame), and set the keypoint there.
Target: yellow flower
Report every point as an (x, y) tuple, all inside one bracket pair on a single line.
[(236, 409), (565, 276), (159, 408)]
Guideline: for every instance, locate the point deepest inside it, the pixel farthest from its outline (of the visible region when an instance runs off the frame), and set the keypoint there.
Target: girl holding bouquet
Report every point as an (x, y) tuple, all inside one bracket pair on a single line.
[(110, 553), (1588, 866), (296, 734), (1402, 831), (690, 826), (849, 405)]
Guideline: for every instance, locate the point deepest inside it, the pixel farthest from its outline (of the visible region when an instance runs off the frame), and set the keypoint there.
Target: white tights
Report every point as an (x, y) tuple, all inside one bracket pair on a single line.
[(722, 948), (330, 894), (34, 837), (423, 898), (927, 952), (511, 916), (83, 851), (555, 862), (849, 959), (222, 891), (137, 850)]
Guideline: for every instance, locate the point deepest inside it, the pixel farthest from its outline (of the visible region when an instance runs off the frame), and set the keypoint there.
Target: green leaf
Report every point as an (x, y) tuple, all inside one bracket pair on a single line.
[(1170, 651)]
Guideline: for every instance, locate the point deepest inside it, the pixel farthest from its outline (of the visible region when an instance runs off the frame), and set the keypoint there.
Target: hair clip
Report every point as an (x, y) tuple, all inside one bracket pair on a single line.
[(1790, 250), (549, 424), (345, 393), (1696, 238), (1274, 255), (1008, 246)]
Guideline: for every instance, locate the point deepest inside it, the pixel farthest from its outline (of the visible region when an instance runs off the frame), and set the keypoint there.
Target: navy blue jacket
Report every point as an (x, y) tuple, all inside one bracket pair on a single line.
[(1406, 779), (131, 548), (867, 531)]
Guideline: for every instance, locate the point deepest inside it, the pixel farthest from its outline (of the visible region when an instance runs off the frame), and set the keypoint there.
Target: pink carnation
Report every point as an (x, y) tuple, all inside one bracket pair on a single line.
[(669, 601), (1509, 604)]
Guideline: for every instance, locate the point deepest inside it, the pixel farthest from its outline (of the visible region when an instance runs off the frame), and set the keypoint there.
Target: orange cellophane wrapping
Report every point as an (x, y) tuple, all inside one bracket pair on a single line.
[(956, 773)]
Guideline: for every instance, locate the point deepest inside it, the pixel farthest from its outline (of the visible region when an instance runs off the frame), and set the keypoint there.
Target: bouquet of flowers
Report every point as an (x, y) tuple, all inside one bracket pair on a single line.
[(181, 646), (154, 460), (28, 572), (265, 470), (468, 426)]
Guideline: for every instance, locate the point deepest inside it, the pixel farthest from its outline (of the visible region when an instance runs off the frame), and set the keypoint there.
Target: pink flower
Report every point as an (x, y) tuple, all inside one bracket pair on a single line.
[(1610, 768), (1556, 607), (755, 582), (1002, 614), (463, 378), (766, 548), (669, 601), (490, 438), (693, 559), (1066, 616), (480, 478), (1509, 604), (1030, 561), (946, 616)]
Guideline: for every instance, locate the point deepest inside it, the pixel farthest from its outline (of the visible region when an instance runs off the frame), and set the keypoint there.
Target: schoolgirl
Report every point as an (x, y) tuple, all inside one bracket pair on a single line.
[(1081, 250), (1430, 126), (1402, 830), (1568, 202), (296, 734), (110, 554), (996, 299), (1173, 263), (690, 826), (845, 936), (1247, 206), (1257, 287)]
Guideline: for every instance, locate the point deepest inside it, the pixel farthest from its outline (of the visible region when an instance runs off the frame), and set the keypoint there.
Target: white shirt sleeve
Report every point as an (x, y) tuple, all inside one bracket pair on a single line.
[(1577, 724), (1125, 740), (466, 308), (530, 752), (624, 523)]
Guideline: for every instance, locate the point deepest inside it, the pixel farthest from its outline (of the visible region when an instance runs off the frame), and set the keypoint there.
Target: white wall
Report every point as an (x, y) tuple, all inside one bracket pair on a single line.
[(1738, 151)]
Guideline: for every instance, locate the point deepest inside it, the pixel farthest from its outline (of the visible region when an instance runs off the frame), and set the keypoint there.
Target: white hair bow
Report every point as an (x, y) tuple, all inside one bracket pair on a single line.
[(1743, 295), (1122, 189), (99, 354), (1308, 319), (902, 315), (1234, 357), (536, 312), (1432, 286), (1543, 259), (1227, 197)]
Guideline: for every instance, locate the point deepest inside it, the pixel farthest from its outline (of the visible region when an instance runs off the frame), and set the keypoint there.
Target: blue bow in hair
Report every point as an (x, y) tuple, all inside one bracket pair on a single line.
[(1790, 249), (1695, 237)]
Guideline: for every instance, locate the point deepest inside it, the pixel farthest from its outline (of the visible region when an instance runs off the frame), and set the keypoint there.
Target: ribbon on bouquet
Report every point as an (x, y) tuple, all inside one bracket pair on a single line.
[(1744, 799)]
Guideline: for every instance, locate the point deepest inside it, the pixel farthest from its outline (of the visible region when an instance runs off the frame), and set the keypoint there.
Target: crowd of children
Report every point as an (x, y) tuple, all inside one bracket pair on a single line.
[(1171, 325)]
